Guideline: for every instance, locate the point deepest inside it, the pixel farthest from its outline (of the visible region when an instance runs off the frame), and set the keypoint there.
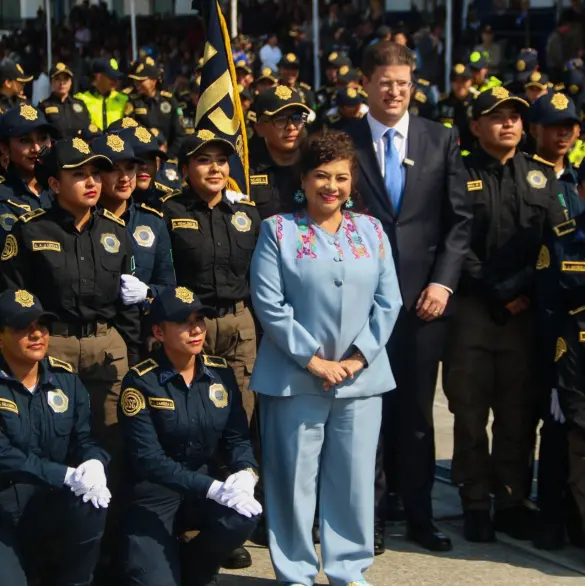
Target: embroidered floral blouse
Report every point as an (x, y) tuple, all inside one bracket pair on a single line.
[(326, 294)]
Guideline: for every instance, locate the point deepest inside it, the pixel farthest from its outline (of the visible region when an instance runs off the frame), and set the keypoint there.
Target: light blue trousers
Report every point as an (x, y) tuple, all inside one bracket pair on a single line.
[(318, 442)]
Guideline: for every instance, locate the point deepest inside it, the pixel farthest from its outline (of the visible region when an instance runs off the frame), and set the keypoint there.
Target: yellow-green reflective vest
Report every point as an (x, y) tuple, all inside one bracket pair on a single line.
[(104, 110)]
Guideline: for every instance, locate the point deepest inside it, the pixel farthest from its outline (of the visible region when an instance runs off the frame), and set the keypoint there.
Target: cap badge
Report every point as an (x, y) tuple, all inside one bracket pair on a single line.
[(459, 68), (19, 68), (241, 222), (205, 134), (165, 107), (80, 145), (218, 395), (28, 112), (143, 135), (114, 64), (351, 92), (140, 68), (241, 63), (110, 243), (129, 122), (24, 298), (560, 102), (60, 67), (475, 57), (115, 143), (172, 174), (500, 93), (343, 70), (144, 236), (520, 65), (333, 56), (535, 76), (536, 179), (58, 401), (185, 295), (574, 89), (284, 93), (149, 61), (10, 248), (291, 57), (267, 71), (93, 128)]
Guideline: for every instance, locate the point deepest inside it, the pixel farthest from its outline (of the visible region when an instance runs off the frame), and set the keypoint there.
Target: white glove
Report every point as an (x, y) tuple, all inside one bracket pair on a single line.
[(242, 502), (555, 407), (247, 505), (88, 475), (69, 477), (242, 480), (100, 497), (133, 290)]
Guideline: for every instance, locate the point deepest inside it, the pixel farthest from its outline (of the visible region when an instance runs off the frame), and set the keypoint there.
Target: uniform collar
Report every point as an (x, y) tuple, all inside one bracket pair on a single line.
[(67, 221), (487, 161), (262, 158), (569, 174), (197, 202), (166, 371), (46, 377)]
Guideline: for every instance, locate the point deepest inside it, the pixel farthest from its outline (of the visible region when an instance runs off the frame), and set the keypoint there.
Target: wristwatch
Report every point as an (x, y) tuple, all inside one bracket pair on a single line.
[(253, 473)]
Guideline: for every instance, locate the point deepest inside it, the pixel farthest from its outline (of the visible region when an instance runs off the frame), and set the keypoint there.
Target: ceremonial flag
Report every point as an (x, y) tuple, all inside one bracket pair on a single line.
[(219, 108)]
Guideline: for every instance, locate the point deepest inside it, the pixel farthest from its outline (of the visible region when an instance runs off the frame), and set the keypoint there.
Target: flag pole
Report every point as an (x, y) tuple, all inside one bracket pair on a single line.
[(234, 18), (316, 59), (133, 29), (49, 35)]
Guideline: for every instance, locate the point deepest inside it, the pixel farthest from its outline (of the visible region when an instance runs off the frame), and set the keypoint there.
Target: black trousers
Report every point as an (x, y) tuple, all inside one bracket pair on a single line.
[(151, 553), (406, 451), (39, 525)]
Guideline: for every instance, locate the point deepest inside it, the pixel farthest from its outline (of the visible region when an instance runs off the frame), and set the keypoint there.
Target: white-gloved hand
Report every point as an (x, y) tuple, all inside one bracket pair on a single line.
[(218, 493), (88, 475), (247, 506), (242, 480), (69, 477), (133, 290), (99, 496), (555, 407), (242, 502)]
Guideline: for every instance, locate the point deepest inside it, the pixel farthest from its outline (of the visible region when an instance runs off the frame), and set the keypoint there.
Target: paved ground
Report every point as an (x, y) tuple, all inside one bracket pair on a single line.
[(507, 562)]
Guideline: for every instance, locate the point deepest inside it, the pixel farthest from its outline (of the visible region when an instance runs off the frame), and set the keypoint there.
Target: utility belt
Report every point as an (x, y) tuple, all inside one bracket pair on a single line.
[(230, 307), (66, 330)]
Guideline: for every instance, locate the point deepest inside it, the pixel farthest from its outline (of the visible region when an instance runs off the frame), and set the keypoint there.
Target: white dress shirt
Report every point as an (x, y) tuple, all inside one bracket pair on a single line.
[(270, 57), (379, 130)]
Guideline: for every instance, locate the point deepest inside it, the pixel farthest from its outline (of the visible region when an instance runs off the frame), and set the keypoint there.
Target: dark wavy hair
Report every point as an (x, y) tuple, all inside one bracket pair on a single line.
[(325, 147)]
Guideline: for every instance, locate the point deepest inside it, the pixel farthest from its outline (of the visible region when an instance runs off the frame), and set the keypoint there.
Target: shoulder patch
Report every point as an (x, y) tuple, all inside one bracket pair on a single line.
[(247, 202), (60, 364), (543, 161), (162, 187), (173, 161), (22, 206), (8, 405), (214, 361), (132, 402), (169, 195), (145, 366), (424, 82), (113, 217), (32, 215), (565, 228), (166, 94), (560, 349), (152, 210)]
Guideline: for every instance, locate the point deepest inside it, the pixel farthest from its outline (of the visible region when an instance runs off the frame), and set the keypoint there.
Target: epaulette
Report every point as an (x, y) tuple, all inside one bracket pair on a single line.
[(149, 209), (2, 179), (422, 81), (169, 195), (559, 87), (334, 118), (305, 86), (128, 90), (173, 161), (162, 187), (420, 97), (61, 364), (565, 228), (189, 131), (22, 206), (214, 361), (31, 215), (108, 214), (143, 367), (166, 94), (247, 202), (541, 160)]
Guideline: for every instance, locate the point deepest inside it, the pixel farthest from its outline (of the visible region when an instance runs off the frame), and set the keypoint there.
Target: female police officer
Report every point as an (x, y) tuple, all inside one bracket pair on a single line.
[(72, 257), (44, 432), (150, 239), (176, 410), (213, 238)]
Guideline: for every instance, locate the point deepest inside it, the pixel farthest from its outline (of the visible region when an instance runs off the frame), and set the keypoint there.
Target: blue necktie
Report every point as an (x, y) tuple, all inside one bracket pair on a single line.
[(393, 171)]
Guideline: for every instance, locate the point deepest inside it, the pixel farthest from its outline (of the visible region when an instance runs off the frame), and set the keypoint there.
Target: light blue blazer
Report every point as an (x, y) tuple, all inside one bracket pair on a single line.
[(314, 292)]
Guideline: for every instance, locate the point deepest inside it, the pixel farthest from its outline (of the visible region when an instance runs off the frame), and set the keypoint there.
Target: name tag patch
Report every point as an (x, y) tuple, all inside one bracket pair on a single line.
[(474, 185), (184, 223), (141, 111), (259, 180), (572, 267), (46, 245), (7, 405), (157, 403), (52, 110)]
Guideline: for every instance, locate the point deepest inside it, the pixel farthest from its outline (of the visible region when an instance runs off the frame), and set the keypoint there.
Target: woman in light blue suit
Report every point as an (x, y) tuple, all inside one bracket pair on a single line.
[(325, 291)]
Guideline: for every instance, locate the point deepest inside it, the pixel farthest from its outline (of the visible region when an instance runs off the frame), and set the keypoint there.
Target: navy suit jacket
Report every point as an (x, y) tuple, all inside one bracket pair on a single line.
[(430, 235)]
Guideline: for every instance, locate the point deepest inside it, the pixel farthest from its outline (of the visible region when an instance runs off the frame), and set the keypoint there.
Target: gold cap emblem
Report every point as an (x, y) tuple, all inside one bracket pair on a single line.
[(143, 135), (184, 294), (520, 65), (291, 57), (501, 93), (267, 71), (115, 143), (283, 92), (24, 298), (93, 128), (129, 122), (343, 70), (333, 56), (60, 67), (28, 112), (205, 134), (80, 145), (140, 68), (351, 92), (574, 89), (114, 64), (149, 61), (459, 68), (560, 102)]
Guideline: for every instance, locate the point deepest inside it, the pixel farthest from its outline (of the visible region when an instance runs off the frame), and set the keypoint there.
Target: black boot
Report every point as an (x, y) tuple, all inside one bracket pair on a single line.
[(478, 527), (517, 522), (396, 512), (549, 534), (379, 544), (239, 559)]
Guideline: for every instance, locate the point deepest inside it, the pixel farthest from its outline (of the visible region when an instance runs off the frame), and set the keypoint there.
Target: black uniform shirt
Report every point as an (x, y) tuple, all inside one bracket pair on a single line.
[(6, 103), (212, 248), (454, 112), (71, 116), (172, 432), (75, 275)]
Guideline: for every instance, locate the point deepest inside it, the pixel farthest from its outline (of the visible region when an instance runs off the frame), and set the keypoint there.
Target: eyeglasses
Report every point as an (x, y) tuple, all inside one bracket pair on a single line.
[(402, 86), (297, 120)]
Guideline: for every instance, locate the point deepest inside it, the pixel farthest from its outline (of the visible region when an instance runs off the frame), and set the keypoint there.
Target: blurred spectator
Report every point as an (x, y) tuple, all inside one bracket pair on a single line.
[(270, 54), (564, 43), (430, 50), (490, 49)]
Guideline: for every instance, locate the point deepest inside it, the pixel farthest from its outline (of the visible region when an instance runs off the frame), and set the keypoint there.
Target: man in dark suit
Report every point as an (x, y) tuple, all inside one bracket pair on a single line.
[(412, 179)]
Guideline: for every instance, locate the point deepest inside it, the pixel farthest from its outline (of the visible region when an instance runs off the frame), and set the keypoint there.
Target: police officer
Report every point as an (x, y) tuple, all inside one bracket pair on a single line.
[(188, 100), (264, 81), (422, 101), (177, 409), (168, 174), (69, 115), (453, 109), (274, 178), (526, 63), (479, 65), (24, 131), (72, 257), (151, 245), (555, 127), (492, 353), (104, 103), (351, 106), (12, 81), (244, 75), (53, 488), (154, 108), (536, 86), (326, 93), (289, 69), (213, 236)]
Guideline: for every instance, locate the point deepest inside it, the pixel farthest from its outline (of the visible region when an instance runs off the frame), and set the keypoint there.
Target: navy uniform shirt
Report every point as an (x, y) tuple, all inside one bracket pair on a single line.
[(567, 184), (70, 116), (454, 112), (151, 246), (172, 432), (44, 432)]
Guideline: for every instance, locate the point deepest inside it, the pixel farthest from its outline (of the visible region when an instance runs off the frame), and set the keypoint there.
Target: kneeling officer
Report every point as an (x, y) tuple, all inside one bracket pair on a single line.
[(46, 503), (176, 410)]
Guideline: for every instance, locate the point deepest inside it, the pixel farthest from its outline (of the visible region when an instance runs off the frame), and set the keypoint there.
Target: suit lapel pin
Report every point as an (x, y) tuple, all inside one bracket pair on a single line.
[(409, 162)]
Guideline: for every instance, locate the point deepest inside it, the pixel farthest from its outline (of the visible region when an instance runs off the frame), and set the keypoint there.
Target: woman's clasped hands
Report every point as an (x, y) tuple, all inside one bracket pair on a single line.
[(335, 372)]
